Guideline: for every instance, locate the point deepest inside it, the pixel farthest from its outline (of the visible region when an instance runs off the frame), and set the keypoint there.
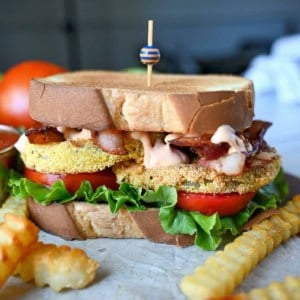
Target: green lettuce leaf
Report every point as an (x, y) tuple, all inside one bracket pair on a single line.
[(177, 221), (127, 196), (208, 230)]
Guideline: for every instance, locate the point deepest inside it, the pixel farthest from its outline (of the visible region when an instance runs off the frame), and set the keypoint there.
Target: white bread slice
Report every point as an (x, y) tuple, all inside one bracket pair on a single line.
[(174, 103), (82, 220)]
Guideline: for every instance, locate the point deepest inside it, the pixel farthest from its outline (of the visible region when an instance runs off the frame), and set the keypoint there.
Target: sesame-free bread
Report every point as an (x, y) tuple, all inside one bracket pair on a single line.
[(81, 220), (174, 103)]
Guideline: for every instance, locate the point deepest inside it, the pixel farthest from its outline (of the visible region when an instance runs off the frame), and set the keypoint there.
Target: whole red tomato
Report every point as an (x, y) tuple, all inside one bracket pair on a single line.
[(14, 91)]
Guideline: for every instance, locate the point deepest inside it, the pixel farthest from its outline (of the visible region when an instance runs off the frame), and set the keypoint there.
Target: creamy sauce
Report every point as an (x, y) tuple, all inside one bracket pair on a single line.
[(230, 164), (21, 142), (226, 134), (172, 136), (71, 134), (161, 154)]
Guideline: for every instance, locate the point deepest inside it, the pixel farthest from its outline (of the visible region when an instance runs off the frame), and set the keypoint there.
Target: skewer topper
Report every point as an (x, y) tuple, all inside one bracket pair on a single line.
[(149, 54)]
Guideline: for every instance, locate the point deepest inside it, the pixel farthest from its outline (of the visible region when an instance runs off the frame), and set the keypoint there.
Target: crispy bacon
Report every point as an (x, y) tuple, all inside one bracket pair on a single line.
[(211, 151), (202, 146), (111, 141), (255, 135), (191, 141), (257, 130), (44, 135), (207, 150)]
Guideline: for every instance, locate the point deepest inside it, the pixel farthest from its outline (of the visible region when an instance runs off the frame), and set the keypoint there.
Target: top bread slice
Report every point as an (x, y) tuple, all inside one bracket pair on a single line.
[(98, 100)]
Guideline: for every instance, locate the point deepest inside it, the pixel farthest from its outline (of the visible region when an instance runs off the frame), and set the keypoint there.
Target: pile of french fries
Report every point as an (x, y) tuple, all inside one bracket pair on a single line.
[(45, 264), (224, 271)]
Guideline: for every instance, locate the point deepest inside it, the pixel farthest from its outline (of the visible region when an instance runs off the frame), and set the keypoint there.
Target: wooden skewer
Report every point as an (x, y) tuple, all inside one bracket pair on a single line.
[(150, 43), (149, 75), (149, 54), (150, 32)]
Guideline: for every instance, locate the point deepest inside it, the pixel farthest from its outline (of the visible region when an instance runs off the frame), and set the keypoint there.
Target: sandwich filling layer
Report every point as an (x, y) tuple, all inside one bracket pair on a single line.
[(223, 162)]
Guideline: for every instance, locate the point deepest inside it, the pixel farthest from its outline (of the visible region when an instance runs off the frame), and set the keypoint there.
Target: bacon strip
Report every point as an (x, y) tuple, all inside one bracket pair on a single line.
[(202, 146), (192, 141), (207, 150), (255, 134), (211, 151), (110, 141), (44, 135)]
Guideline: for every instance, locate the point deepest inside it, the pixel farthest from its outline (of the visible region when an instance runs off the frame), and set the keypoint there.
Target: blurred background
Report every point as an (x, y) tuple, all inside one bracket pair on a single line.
[(194, 36), (259, 39)]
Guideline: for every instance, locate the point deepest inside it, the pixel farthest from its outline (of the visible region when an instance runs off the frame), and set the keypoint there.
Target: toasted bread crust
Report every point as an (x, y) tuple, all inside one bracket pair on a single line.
[(81, 220), (174, 103)]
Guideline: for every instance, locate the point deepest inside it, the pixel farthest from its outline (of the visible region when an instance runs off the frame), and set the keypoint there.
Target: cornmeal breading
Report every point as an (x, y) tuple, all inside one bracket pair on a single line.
[(196, 178), (67, 157)]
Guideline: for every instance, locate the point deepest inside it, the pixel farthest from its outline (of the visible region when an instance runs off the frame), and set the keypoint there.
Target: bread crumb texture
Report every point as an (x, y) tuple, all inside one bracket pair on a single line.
[(95, 221), (198, 179)]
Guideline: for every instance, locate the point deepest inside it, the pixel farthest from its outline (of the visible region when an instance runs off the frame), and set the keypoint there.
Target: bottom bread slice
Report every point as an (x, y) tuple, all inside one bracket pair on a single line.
[(81, 220)]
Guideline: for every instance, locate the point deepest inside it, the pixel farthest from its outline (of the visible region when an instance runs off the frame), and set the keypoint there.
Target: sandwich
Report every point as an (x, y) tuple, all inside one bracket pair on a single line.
[(180, 162)]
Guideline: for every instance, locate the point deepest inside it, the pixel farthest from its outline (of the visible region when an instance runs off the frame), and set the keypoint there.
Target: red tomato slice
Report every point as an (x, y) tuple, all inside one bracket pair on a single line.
[(208, 204), (73, 181)]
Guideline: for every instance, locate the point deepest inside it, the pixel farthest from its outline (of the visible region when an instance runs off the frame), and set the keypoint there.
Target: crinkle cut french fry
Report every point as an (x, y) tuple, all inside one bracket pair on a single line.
[(222, 272), (59, 267), (17, 234), (288, 289), (14, 206)]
